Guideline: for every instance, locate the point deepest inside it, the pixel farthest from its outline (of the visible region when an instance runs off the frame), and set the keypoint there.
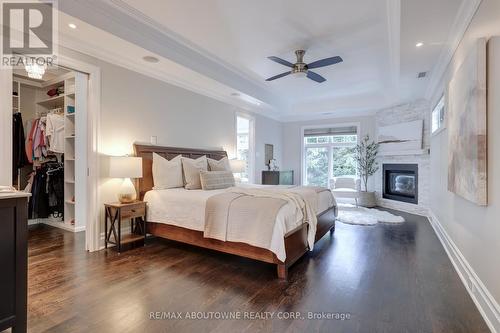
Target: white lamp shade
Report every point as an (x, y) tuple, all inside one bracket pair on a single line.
[(125, 167), (237, 166)]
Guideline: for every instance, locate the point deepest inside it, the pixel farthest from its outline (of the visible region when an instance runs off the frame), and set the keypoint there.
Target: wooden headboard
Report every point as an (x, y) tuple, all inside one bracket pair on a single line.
[(145, 183)]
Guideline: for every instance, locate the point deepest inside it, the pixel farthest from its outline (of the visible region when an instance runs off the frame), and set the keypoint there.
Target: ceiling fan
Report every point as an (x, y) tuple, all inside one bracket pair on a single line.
[(302, 68)]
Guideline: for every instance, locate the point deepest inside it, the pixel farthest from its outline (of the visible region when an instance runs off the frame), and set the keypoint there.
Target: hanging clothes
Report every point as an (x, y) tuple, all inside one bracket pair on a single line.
[(19, 158), (54, 132), (38, 206), (47, 191), (39, 143), (29, 140), (55, 189)]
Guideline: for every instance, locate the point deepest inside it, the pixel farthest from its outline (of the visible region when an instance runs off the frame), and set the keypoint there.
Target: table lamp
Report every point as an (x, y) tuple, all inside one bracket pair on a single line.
[(238, 166), (126, 167)]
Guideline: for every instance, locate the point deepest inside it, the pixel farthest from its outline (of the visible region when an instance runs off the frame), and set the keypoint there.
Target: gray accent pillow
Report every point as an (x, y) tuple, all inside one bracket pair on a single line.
[(215, 180)]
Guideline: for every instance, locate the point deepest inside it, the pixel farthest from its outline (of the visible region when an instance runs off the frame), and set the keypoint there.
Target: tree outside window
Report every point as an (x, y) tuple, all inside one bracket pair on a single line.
[(328, 156)]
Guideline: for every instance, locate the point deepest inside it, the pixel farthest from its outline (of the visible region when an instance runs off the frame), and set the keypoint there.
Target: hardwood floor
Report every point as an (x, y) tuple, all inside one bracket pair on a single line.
[(387, 278)]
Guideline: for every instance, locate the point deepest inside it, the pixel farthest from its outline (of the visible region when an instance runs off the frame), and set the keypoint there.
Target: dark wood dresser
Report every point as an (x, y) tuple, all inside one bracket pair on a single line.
[(13, 261), (277, 177)]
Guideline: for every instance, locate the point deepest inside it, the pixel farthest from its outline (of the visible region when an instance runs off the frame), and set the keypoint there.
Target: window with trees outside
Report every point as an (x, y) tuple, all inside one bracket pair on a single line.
[(328, 153), (244, 145)]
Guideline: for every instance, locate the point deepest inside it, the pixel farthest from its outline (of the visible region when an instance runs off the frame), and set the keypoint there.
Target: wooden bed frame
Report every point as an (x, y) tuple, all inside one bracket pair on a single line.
[(295, 241)]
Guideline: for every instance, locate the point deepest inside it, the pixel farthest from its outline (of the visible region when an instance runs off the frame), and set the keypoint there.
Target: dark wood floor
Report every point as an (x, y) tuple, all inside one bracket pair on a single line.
[(388, 278)]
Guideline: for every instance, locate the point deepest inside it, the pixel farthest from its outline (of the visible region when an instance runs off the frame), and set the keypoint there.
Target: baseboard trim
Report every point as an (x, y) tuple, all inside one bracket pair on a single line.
[(485, 303), (404, 207), (62, 225)]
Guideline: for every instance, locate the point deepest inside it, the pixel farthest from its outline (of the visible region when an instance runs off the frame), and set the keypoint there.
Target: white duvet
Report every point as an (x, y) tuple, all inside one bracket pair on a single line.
[(186, 208)]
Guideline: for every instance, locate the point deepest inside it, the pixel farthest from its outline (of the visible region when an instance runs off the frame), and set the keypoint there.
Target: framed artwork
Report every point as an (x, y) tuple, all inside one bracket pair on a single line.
[(268, 153), (467, 137)]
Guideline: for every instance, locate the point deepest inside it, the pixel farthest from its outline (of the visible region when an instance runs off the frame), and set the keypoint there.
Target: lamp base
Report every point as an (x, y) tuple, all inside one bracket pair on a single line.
[(127, 193)]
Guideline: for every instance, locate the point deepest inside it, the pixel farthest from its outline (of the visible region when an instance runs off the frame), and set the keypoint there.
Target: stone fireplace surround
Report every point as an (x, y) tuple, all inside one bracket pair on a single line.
[(400, 114)]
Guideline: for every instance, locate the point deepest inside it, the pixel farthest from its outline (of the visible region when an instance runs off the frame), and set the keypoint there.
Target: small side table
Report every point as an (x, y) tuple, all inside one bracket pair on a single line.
[(115, 213)]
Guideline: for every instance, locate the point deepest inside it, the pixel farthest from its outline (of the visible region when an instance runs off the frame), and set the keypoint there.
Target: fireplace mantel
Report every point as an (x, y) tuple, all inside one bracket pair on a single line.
[(405, 152)]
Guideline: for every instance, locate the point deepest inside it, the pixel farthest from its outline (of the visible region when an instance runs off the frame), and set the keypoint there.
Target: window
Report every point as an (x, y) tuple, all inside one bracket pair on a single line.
[(329, 152), (245, 146), (438, 116)]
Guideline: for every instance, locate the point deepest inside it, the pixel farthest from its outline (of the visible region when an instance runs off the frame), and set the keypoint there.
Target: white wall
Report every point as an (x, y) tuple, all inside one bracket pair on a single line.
[(266, 131), (475, 230), (292, 140)]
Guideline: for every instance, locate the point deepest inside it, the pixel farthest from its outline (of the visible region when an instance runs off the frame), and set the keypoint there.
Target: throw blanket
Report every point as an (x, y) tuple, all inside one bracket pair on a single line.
[(250, 215)]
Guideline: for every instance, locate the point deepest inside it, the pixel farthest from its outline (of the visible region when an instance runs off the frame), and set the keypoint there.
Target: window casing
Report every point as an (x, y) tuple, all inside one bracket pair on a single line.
[(328, 152), (437, 116)]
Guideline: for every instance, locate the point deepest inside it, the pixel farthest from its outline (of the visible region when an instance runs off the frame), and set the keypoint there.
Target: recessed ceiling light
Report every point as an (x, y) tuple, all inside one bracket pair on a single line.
[(150, 59), (72, 25), (419, 44)]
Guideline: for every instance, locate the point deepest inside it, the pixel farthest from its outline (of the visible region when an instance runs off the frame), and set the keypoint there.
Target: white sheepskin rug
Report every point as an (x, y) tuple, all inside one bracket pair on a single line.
[(351, 214)]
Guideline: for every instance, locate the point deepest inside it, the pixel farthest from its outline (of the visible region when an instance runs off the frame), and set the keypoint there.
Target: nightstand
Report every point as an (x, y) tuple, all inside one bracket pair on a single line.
[(115, 213)]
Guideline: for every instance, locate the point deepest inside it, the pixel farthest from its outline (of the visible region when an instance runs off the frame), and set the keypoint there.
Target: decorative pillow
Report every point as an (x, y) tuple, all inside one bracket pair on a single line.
[(192, 170), (220, 165), (214, 180), (167, 174)]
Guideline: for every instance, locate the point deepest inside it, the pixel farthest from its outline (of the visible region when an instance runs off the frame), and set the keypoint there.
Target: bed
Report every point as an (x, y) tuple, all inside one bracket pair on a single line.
[(186, 225)]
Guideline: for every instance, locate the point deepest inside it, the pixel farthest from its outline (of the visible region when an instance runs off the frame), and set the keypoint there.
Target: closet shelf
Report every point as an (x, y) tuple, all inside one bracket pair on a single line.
[(69, 181), (70, 202), (70, 137), (52, 101)]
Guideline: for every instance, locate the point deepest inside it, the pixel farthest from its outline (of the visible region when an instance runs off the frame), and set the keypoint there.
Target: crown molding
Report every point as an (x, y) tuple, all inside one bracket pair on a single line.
[(123, 21), (393, 8), (148, 20), (462, 21)]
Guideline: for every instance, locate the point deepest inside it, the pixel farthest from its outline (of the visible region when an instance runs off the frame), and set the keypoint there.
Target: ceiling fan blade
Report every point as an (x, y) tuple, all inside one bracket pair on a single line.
[(315, 77), (325, 62), (281, 61), (278, 76)]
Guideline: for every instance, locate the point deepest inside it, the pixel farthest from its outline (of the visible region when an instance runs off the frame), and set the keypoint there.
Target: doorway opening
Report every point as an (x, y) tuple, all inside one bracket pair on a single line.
[(49, 146)]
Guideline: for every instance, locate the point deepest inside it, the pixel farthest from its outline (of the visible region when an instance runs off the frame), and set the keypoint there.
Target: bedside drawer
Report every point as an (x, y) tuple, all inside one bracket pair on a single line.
[(133, 211)]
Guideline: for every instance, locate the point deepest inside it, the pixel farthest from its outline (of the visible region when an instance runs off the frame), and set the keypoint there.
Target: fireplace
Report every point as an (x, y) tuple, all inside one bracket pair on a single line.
[(400, 182)]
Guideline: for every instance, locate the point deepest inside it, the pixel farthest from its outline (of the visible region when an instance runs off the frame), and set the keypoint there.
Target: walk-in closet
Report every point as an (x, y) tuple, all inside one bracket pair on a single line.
[(49, 145)]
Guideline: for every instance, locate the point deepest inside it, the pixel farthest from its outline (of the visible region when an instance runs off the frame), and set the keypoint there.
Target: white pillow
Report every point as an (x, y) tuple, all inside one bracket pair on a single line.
[(167, 174), (192, 169), (220, 165)]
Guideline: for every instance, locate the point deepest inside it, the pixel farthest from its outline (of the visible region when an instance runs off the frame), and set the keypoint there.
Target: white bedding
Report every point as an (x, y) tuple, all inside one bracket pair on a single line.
[(186, 208)]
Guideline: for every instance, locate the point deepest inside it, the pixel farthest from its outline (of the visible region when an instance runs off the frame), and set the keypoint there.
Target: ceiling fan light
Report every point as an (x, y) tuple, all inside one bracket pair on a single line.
[(300, 74)]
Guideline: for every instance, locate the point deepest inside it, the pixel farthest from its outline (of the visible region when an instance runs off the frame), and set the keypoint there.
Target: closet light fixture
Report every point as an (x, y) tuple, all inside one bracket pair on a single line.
[(35, 71), (72, 25)]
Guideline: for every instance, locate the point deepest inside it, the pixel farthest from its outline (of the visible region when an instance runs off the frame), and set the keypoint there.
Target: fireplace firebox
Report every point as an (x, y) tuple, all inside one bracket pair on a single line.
[(400, 182)]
